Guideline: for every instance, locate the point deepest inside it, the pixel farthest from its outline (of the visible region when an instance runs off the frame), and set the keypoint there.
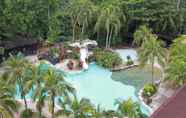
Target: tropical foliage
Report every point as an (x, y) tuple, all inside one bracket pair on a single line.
[(130, 109), (8, 106), (152, 51), (107, 58), (82, 109), (50, 88), (177, 61), (149, 90), (141, 35), (144, 22), (18, 70), (80, 13), (53, 85), (111, 19)]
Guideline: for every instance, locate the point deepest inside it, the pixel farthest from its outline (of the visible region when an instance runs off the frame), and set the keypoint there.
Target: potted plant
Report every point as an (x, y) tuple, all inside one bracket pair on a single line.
[(129, 61), (148, 91)]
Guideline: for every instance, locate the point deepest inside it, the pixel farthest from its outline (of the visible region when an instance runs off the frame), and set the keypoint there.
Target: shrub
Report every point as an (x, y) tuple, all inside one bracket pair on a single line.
[(130, 62), (107, 59), (149, 90)]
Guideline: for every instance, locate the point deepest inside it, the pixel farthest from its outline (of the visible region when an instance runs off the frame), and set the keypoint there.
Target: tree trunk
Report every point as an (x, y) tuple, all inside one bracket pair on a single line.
[(40, 113), (53, 105), (152, 67), (74, 26), (110, 37), (22, 94), (82, 30), (26, 107), (108, 32), (49, 12), (97, 35)]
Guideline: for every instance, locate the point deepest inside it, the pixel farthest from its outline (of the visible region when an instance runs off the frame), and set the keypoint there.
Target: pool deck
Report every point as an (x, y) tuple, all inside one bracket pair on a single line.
[(163, 94)]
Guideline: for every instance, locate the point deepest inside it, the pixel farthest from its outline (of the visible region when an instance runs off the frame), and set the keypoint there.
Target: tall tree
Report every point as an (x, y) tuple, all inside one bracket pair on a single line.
[(151, 51), (54, 85), (141, 35), (18, 75), (81, 13), (110, 19), (8, 105)]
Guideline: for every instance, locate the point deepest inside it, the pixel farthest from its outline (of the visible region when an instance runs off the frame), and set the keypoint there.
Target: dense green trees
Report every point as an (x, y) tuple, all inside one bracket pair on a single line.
[(52, 18), (80, 13), (176, 70), (29, 18), (110, 19)]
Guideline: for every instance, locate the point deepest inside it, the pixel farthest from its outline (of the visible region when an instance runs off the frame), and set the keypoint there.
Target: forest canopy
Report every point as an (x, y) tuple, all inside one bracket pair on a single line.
[(95, 19)]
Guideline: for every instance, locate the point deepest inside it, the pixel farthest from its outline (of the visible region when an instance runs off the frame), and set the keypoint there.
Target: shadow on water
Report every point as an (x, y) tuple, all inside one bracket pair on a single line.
[(136, 76)]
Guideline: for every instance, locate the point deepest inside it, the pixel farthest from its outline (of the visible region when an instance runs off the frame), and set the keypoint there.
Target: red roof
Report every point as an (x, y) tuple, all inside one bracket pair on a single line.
[(175, 107)]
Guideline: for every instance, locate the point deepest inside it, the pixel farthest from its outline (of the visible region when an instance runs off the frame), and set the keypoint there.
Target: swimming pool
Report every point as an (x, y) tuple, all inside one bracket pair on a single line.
[(97, 85)]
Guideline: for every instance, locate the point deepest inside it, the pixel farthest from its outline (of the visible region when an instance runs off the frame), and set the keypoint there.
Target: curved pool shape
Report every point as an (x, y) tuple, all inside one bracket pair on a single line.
[(97, 85)]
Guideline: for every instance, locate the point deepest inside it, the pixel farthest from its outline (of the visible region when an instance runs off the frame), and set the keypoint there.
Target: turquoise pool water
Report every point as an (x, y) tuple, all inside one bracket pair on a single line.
[(97, 85)]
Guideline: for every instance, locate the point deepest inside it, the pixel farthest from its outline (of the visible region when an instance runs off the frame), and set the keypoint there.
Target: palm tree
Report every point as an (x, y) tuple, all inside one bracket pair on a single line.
[(129, 108), (86, 14), (7, 103), (150, 51), (18, 74), (36, 79), (80, 12), (141, 35), (53, 85), (110, 19), (82, 108)]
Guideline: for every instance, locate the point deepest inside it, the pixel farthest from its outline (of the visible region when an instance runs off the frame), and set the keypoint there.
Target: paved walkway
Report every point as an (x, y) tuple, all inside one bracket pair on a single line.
[(161, 96)]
